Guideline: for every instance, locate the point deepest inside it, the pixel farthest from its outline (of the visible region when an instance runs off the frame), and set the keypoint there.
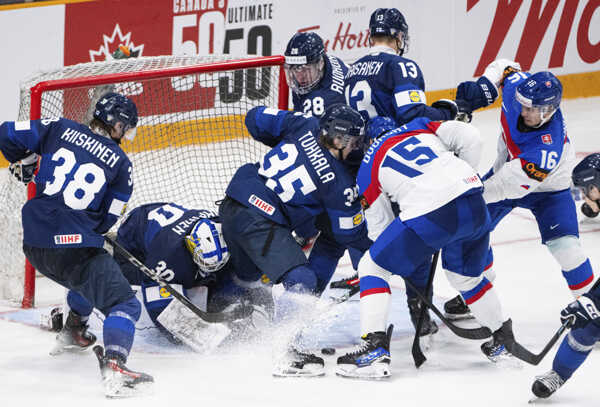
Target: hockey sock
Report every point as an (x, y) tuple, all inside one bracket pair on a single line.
[(484, 304), (574, 349), (576, 266), (375, 296), (580, 278), (119, 327)]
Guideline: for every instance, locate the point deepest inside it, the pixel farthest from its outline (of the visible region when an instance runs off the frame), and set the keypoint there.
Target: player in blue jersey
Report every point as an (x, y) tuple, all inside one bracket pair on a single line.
[(187, 249), (302, 176), (83, 183), (317, 82), (315, 78), (583, 312), (427, 168), (533, 166), (384, 82)]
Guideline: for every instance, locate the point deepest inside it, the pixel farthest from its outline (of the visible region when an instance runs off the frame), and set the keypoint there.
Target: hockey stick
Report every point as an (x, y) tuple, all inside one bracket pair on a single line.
[(467, 333), (520, 352), (417, 353), (240, 312)]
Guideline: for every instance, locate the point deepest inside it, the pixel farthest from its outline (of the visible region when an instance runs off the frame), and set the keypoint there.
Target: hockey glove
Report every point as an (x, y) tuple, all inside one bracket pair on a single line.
[(23, 170), (498, 70), (464, 111), (447, 106), (581, 312)]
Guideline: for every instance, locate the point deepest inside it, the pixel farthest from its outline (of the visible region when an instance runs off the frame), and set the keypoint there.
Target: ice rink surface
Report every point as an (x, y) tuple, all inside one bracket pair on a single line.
[(529, 283)]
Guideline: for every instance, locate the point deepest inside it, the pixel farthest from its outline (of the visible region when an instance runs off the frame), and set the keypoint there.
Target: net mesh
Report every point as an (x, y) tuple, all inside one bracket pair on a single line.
[(190, 137)]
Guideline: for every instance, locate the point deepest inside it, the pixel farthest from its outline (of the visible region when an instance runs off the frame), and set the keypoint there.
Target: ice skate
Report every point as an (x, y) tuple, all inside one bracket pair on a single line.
[(545, 385), (118, 380), (74, 336), (456, 309), (295, 363), (496, 348), (428, 327), (351, 285), (371, 360)]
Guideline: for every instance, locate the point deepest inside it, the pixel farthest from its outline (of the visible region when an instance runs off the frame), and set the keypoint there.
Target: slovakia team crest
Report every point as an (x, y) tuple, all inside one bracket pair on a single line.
[(547, 139)]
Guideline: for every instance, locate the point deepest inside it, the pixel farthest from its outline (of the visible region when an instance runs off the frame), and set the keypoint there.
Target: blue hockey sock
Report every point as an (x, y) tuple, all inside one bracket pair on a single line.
[(119, 327)]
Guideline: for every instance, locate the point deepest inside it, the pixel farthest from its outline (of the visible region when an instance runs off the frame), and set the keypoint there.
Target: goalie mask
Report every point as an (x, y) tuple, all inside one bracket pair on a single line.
[(539, 96), (207, 246), (304, 64)]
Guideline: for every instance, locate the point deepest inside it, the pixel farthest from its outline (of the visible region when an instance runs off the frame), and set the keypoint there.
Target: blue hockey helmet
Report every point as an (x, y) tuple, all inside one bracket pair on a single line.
[(390, 22), (207, 246), (540, 93), (587, 173), (379, 125), (343, 127), (304, 64), (113, 108)]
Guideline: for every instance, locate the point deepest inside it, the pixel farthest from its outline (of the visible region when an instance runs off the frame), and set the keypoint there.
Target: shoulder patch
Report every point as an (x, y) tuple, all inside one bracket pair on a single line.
[(533, 171)]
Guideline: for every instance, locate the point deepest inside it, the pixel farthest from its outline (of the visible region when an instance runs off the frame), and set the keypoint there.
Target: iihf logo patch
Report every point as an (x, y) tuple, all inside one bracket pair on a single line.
[(262, 205), (546, 139)]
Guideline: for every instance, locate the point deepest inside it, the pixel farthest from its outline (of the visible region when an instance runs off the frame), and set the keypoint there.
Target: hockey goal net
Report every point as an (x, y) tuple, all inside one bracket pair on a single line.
[(190, 137)]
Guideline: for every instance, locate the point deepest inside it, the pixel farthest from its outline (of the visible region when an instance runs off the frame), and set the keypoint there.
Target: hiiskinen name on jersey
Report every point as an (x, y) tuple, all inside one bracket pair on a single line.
[(93, 146), (314, 152)]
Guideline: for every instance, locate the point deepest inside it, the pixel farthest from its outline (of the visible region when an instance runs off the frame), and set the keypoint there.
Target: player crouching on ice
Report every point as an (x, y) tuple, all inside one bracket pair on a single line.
[(301, 177), (83, 184), (427, 167), (186, 247)]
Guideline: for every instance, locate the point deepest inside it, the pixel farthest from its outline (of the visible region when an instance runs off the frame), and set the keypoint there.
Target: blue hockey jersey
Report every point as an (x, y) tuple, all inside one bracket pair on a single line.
[(83, 182), (329, 91), (298, 179), (385, 84)]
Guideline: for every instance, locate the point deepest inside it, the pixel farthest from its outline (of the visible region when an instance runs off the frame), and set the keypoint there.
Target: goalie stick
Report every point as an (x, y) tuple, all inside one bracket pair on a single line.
[(417, 353), (467, 333), (240, 312)]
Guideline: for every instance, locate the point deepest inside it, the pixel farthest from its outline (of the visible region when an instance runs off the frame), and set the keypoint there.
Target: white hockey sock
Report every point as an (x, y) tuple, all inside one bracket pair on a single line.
[(488, 310), (375, 296)]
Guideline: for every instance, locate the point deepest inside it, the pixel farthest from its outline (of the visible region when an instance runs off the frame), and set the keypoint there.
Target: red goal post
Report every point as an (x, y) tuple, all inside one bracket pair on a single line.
[(190, 138)]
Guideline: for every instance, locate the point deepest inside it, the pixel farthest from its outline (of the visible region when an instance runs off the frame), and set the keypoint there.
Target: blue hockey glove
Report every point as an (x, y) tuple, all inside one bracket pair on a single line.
[(464, 111), (23, 170), (447, 105), (581, 312)]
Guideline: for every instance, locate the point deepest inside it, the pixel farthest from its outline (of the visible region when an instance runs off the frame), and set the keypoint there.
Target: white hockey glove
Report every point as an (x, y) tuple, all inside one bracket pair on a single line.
[(23, 170), (498, 70)]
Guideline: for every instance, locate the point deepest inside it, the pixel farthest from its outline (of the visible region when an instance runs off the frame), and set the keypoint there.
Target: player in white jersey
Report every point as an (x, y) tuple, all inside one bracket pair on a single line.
[(533, 167), (426, 167)]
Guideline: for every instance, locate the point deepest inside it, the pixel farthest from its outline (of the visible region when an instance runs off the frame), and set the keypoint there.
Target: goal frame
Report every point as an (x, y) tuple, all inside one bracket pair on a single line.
[(70, 83)]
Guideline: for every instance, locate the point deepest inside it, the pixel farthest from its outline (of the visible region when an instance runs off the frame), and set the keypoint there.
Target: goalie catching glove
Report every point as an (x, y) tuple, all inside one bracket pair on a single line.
[(24, 170)]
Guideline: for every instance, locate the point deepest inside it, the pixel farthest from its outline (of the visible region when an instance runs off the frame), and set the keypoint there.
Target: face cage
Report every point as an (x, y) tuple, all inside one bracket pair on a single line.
[(312, 76), (207, 268)]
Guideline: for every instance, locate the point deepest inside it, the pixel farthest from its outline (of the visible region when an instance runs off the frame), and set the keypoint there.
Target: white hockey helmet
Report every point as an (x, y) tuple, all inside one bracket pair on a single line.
[(207, 246)]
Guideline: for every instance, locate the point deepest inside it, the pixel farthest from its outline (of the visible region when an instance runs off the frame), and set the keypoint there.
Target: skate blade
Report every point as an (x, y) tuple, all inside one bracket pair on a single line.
[(378, 371), (60, 349), (122, 392), (309, 370), (459, 317)]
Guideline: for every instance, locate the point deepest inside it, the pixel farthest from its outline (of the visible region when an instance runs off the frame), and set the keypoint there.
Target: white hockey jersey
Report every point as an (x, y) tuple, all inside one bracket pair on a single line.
[(422, 166)]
